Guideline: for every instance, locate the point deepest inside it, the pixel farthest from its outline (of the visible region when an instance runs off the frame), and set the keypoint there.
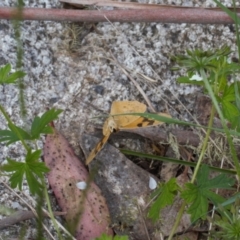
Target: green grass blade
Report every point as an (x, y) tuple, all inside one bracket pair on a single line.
[(172, 160)]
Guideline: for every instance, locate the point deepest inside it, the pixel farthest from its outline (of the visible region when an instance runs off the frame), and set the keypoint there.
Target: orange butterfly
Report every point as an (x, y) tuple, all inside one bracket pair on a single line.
[(115, 123)]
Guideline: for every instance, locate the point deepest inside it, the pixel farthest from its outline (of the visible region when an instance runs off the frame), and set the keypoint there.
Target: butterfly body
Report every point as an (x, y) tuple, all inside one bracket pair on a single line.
[(109, 125)]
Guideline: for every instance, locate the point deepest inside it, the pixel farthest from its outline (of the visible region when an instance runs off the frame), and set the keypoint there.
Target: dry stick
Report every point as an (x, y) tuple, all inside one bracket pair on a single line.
[(140, 75), (164, 15), (20, 216), (183, 137)]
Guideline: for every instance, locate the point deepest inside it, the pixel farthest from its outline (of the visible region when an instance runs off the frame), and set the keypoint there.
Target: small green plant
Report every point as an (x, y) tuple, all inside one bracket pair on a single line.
[(32, 169), (6, 77), (217, 67), (210, 70), (197, 195), (106, 237), (165, 195), (29, 168), (229, 223)]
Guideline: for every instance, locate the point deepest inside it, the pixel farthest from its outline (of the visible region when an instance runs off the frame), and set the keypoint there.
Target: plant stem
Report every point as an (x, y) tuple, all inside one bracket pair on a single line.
[(204, 147), (178, 218), (17, 29), (50, 209)]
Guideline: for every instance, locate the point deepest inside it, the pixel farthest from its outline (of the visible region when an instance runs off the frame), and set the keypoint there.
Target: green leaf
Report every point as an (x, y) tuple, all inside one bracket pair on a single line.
[(220, 181), (229, 93), (39, 125), (14, 76), (190, 192), (166, 197), (10, 136), (235, 121), (18, 169), (34, 185), (31, 168), (237, 94), (232, 114), (214, 198), (198, 208), (198, 60), (33, 156), (38, 168), (12, 165), (34, 168), (197, 195), (4, 71), (229, 109), (7, 78)]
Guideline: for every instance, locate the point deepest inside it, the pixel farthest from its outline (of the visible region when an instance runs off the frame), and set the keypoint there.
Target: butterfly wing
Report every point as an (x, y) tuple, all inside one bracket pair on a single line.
[(145, 122), (119, 107), (109, 126), (98, 148)]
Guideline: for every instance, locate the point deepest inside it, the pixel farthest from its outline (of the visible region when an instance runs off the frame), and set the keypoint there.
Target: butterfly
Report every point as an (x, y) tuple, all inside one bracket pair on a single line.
[(116, 123)]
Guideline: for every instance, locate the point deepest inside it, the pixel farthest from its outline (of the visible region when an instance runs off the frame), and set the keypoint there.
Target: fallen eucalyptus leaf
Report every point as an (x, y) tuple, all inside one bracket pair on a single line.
[(86, 210)]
